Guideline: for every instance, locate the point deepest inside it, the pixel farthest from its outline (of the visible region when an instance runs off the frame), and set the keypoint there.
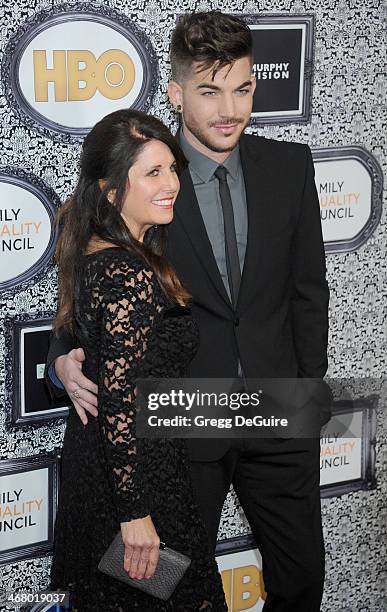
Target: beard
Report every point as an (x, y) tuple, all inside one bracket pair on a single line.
[(206, 139)]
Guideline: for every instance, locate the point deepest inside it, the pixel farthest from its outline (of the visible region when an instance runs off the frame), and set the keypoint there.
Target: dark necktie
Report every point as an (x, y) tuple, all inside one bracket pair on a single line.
[(232, 257)]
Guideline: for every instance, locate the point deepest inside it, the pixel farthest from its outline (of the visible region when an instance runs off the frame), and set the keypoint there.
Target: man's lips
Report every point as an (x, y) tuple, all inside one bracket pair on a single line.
[(225, 127)]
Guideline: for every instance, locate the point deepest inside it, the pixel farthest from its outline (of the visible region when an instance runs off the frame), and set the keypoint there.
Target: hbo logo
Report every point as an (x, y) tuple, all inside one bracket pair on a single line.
[(77, 75), (243, 587)]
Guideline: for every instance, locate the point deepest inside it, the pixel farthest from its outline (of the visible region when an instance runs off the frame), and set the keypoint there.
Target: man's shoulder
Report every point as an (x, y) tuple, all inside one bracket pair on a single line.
[(271, 147)]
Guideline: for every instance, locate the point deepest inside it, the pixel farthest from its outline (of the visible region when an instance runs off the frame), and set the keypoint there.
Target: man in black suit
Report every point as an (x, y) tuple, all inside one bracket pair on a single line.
[(246, 241)]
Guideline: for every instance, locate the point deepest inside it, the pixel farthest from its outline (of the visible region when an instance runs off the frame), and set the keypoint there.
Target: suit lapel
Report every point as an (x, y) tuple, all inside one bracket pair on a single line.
[(258, 177), (259, 188), (188, 214)]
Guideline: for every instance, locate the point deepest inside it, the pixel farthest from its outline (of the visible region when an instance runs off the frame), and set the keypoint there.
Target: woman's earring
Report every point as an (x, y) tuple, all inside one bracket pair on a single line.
[(179, 108)]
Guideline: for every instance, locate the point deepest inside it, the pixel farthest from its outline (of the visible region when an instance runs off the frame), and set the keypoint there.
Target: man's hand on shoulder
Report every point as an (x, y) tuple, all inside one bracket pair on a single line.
[(83, 392)]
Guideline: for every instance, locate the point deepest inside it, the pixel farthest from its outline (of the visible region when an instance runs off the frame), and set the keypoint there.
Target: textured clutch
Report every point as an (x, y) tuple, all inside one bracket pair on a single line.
[(170, 569)]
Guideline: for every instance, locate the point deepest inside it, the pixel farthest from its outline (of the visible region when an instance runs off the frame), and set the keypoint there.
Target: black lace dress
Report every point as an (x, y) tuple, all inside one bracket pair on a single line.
[(128, 329)]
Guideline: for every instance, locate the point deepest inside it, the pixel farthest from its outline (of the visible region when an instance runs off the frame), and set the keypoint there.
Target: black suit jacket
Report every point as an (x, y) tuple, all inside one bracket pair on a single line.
[(279, 327)]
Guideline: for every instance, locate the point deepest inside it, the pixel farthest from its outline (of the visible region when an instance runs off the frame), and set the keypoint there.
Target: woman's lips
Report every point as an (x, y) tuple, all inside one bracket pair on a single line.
[(164, 203)]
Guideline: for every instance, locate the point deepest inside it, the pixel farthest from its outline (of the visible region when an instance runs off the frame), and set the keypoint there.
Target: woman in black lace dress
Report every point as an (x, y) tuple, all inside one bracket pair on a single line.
[(128, 311)]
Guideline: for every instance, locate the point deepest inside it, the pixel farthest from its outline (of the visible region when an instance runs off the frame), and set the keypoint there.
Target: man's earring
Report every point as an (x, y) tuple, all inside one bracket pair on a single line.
[(179, 108)]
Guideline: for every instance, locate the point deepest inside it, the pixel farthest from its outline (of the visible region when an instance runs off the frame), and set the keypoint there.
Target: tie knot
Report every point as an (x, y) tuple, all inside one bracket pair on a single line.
[(221, 174)]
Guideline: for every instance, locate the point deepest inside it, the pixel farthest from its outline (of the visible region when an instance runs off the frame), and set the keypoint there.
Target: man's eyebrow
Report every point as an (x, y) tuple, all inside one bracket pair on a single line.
[(216, 88), (245, 84), (208, 86)]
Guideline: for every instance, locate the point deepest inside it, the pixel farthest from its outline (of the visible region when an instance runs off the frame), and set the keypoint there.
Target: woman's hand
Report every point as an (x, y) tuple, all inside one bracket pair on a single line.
[(83, 392), (142, 547)]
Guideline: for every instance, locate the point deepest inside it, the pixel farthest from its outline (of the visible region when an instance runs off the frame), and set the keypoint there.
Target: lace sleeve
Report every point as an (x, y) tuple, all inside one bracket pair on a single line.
[(128, 312)]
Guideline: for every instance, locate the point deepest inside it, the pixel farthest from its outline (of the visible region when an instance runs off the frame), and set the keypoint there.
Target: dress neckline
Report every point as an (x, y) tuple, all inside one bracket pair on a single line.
[(104, 250)]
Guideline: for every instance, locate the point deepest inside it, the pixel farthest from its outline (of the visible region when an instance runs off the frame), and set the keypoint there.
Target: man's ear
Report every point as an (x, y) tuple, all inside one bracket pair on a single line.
[(175, 94)]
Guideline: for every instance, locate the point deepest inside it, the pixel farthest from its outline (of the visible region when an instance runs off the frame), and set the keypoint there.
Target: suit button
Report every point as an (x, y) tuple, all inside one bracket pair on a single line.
[(236, 321)]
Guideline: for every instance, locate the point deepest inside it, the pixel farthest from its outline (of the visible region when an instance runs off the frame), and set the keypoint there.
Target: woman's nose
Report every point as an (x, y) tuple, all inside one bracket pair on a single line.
[(172, 182)]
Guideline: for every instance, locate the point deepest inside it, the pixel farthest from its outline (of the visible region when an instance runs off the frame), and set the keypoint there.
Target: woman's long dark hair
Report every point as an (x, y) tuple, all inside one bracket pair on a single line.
[(109, 150)]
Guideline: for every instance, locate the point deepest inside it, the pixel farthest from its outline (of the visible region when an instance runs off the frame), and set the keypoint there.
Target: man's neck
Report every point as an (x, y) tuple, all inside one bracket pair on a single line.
[(220, 158)]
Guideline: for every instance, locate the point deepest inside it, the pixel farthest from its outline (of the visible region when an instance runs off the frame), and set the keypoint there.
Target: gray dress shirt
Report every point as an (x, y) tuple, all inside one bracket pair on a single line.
[(206, 187)]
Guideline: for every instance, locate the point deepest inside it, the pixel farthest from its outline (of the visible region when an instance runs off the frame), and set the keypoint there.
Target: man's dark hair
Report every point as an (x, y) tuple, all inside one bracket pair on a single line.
[(210, 39)]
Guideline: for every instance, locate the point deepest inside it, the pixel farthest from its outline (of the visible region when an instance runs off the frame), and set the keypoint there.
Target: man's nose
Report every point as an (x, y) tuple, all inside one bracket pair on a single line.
[(228, 106)]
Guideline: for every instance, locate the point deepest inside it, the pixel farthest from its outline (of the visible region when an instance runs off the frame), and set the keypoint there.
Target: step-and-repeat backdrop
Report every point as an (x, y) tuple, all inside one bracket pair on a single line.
[(320, 72)]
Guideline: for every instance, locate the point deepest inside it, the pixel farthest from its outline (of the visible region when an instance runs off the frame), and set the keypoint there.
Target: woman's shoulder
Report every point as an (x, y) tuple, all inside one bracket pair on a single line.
[(114, 265), (113, 256)]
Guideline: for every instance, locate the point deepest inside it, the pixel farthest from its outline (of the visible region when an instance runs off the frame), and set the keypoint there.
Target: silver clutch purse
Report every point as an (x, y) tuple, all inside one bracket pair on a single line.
[(170, 569)]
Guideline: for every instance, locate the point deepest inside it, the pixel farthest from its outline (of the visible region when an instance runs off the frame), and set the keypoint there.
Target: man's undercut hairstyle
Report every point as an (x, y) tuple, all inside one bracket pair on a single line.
[(208, 39)]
